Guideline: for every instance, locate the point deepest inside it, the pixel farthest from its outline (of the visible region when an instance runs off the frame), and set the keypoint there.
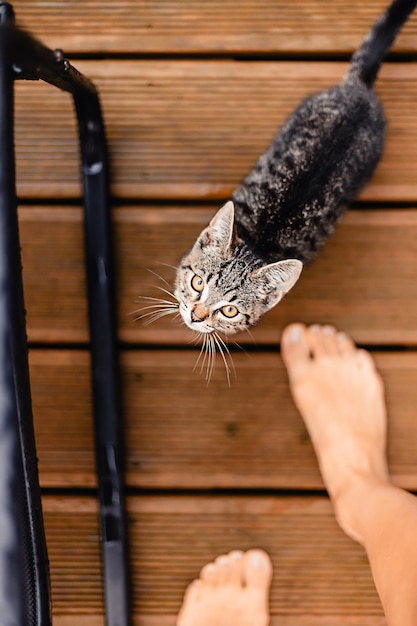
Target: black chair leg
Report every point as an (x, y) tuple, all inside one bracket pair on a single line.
[(25, 599), (24, 572)]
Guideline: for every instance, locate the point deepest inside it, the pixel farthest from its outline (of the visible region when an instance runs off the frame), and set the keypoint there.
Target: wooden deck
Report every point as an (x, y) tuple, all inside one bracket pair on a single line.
[(192, 93)]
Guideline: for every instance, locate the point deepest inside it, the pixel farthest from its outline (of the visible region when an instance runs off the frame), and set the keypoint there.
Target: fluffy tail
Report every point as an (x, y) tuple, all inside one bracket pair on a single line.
[(368, 58)]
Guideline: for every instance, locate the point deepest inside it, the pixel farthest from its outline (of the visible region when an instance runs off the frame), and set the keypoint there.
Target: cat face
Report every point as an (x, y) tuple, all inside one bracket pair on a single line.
[(222, 286)]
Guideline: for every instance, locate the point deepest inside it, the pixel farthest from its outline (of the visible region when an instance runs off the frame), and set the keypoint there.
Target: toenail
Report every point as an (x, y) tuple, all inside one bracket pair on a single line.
[(222, 560), (236, 556), (195, 584), (295, 333), (315, 328), (362, 356), (256, 560), (329, 330), (341, 336)]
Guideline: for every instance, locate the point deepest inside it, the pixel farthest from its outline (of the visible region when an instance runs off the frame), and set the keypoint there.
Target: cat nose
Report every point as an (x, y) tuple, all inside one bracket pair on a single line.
[(199, 313)]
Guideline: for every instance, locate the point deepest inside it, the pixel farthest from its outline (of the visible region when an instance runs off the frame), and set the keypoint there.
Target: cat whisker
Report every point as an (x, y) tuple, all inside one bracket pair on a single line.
[(211, 361), (207, 356), (202, 352), (153, 316), (211, 344), (241, 348), (156, 309), (156, 302), (159, 276), (148, 298), (157, 306), (248, 330), (160, 305), (154, 312), (173, 267), (225, 354), (211, 358), (169, 293), (196, 338)]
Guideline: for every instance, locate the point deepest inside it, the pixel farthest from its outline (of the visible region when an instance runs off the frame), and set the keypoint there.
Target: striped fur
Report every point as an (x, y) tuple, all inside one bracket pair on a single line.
[(252, 252)]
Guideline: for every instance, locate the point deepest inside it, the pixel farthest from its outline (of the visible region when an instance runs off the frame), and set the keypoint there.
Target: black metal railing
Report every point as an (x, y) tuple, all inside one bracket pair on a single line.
[(24, 575)]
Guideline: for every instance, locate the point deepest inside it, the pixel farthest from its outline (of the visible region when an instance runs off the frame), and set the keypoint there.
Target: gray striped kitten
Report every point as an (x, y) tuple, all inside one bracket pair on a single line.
[(252, 252)]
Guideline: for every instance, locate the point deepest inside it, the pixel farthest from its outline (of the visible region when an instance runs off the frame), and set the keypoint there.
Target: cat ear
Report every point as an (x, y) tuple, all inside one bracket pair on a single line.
[(222, 224), (276, 279), (221, 231)]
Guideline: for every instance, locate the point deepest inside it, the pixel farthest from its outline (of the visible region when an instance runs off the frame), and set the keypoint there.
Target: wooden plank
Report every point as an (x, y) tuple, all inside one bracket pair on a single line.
[(181, 433), (355, 283), (54, 273), (62, 410), (363, 281), (190, 26), (178, 129), (318, 573)]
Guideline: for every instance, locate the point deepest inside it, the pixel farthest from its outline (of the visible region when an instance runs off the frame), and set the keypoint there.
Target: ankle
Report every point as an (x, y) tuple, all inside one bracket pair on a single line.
[(352, 504)]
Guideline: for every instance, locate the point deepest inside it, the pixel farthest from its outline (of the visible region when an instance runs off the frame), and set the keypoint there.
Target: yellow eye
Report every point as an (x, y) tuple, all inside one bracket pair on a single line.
[(197, 283), (229, 310)]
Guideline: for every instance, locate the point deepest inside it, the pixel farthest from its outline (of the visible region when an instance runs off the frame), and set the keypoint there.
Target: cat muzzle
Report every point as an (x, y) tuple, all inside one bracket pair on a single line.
[(199, 314)]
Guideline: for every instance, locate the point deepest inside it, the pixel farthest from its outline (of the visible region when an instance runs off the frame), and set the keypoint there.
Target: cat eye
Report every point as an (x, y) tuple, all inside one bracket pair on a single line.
[(197, 283), (229, 310)]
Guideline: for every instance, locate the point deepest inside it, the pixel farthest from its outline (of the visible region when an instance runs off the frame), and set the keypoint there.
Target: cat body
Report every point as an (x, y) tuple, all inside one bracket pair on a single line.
[(320, 160), (253, 250)]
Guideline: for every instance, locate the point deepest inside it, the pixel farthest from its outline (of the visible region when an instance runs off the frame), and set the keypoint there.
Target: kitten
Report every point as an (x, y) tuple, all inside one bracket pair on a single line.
[(252, 252)]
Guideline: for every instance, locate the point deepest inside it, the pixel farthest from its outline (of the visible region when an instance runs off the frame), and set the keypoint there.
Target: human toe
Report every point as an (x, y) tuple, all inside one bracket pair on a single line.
[(234, 567), (329, 340), (295, 350), (210, 574), (257, 569), (316, 340), (365, 360), (345, 344), (229, 568)]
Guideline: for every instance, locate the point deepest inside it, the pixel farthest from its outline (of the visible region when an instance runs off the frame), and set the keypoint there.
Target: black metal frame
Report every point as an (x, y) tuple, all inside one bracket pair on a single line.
[(25, 599)]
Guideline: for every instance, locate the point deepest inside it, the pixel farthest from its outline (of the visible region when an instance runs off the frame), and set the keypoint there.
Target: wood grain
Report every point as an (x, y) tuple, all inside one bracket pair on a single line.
[(317, 569), (181, 433), (209, 27), (363, 281), (193, 129), (192, 93), (52, 242)]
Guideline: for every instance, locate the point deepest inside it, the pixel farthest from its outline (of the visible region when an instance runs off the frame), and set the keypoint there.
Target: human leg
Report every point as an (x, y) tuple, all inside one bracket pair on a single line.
[(340, 397)]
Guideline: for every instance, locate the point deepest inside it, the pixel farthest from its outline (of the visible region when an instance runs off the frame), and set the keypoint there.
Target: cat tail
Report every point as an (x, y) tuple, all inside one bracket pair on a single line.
[(368, 58)]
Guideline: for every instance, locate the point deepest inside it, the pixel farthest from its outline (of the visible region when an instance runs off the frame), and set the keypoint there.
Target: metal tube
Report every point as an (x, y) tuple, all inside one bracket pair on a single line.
[(31, 59), (24, 573), (106, 384)]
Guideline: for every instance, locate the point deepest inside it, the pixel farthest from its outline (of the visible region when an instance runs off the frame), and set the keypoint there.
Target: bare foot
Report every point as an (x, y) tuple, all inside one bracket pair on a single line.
[(341, 399), (232, 591)]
